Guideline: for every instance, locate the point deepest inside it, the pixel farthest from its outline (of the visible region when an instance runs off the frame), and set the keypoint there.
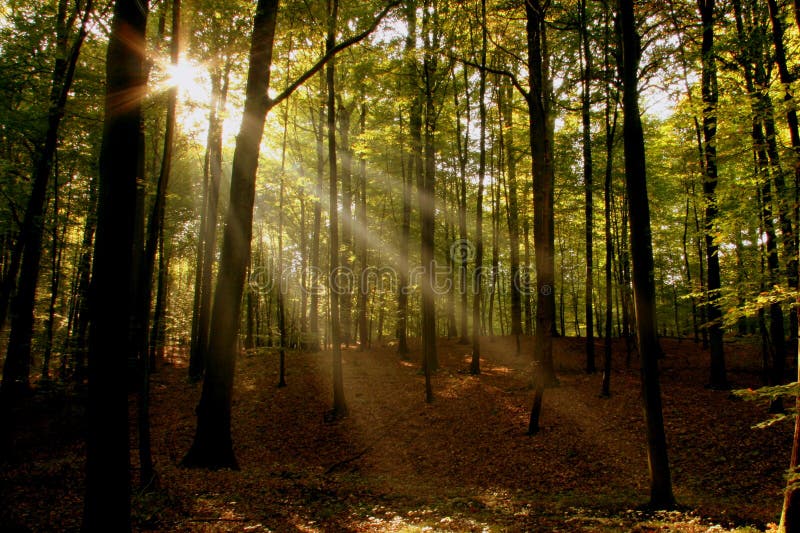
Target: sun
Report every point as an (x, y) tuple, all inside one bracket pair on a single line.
[(190, 78), (193, 84)]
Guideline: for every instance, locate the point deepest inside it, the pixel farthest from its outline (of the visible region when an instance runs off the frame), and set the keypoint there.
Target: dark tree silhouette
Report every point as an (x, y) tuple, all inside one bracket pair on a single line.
[(107, 502)]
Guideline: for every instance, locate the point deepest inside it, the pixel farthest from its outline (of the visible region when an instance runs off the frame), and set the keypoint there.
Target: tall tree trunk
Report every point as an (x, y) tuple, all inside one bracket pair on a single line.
[(543, 199), (212, 446), (477, 283), (56, 254), (345, 152), (461, 251), (611, 130), (159, 328), (642, 254), (107, 500), (493, 290), (208, 236), (787, 78), (427, 190), (717, 378), (526, 278), (586, 87), (765, 157), (505, 103), (411, 169), (147, 265), (279, 274), (361, 240), (339, 406), (78, 340), (316, 269)]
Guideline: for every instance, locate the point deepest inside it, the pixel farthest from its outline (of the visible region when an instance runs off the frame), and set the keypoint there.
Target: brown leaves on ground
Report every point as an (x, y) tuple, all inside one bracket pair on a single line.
[(462, 463)]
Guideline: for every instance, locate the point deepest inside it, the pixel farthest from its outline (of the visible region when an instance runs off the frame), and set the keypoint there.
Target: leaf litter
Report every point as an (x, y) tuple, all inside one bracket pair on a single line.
[(462, 463)]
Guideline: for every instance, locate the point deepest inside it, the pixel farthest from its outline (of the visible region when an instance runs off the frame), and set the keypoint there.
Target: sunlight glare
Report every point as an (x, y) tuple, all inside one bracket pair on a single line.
[(190, 78)]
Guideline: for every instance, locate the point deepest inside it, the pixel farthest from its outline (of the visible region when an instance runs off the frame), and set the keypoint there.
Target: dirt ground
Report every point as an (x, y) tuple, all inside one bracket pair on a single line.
[(462, 463)]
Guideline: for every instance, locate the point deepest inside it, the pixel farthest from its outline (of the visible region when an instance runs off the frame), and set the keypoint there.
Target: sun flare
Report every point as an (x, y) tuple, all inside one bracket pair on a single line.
[(190, 78)]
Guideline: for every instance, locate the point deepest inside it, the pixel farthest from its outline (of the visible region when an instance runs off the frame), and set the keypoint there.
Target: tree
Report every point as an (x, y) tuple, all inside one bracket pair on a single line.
[(475, 365), (718, 379), (410, 169), (642, 255), (426, 187), (207, 239), (541, 139), (505, 103), (155, 224), (212, 446), (339, 405), (586, 87), (107, 501)]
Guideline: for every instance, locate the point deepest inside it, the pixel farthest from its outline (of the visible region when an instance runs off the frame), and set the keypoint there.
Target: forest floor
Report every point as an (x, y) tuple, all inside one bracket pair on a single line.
[(461, 463)]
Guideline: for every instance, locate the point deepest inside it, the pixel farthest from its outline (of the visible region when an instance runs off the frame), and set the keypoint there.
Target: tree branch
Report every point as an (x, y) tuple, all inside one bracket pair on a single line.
[(283, 95), (500, 72)]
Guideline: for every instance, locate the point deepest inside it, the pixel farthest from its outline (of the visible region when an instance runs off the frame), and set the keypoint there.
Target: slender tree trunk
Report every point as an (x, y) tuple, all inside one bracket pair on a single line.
[(427, 191), (477, 282), (56, 254), (78, 342), (339, 406), (526, 278), (208, 236), (586, 73), (787, 231), (765, 157), (463, 248), (642, 252), (718, 378), (279, 275), (362, 241), (158, 330), (145, 284), (611, 127), (505, 103), (345, 152), (411, 169), (316, 269)]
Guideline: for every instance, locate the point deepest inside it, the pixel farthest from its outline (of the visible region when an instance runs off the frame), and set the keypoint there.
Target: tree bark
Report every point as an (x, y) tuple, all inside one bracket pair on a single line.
[(339, 409), (543, 199), (212, 446), (586, 87), (208, 236), (427, 191), (411, 169), (107, 500), (477, 283), (462, 250), (718, 378), (642, 255)]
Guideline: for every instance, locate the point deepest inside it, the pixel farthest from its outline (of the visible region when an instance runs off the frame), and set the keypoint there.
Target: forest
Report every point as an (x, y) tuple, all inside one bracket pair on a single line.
[(399, 265)]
